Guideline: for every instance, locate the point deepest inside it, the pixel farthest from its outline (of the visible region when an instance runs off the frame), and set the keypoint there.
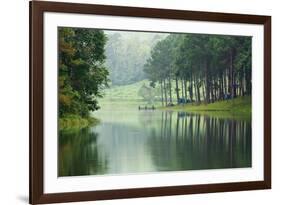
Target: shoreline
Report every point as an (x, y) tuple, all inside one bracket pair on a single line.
[(237, 108), (74, 122)]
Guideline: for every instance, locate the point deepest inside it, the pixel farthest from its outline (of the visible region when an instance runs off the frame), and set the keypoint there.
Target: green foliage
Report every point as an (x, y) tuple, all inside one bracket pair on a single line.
[(82, 74), (205, 67)]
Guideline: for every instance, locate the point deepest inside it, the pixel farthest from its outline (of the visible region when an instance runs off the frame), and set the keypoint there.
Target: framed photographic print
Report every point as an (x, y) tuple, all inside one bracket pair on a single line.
[(138, 102)]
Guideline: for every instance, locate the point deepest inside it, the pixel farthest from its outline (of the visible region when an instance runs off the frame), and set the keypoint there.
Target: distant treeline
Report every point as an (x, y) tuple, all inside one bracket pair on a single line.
[(82, 74), (205, 68), (126, 54)]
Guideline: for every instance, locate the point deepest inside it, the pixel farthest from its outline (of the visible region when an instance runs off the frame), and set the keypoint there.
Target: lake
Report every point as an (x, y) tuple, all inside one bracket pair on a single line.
[(129, 140)]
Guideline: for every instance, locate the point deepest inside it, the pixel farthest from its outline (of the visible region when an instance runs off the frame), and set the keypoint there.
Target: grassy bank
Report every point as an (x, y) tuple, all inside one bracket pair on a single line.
[(76, 122), (124, 92), (237, 107)]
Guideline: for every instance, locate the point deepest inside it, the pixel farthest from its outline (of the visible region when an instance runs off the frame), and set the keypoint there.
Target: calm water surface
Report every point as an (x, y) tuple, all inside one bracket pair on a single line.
[(131, 141)]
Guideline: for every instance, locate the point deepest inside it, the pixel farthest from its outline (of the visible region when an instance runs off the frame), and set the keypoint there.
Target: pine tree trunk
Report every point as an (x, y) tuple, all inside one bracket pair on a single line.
[(230, 75), (248, 83), (195, 93), (191, 89), (182, 89), (203, 90), (165, 92), (170, 90), (162, 94), (177, 90), (221, 87), (207, 81), (198, 91), (225, 83), (212, 91), (185, 89)]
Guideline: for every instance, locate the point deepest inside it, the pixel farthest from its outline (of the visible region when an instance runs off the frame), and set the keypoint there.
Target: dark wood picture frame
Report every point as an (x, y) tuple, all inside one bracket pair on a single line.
[(37, 9)]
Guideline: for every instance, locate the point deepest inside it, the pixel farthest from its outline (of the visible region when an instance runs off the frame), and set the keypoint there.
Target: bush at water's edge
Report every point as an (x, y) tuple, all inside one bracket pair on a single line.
[(76, 122)]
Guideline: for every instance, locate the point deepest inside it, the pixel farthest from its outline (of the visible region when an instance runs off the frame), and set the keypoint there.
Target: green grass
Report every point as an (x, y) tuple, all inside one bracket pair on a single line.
[(238, 107), (130, 92), (125, 92), (72, 122)]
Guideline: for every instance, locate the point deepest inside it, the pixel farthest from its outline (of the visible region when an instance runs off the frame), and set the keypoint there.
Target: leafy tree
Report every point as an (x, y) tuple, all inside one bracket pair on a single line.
[(207, 67), (82, 73)]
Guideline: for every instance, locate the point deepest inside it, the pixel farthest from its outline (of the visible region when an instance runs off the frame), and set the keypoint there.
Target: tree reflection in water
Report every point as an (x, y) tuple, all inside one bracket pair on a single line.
[(200, 142), (151, 141), (79, 153)]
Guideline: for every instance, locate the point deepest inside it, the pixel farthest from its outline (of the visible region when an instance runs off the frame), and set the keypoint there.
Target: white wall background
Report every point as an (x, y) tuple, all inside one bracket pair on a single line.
[(14, 101)]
